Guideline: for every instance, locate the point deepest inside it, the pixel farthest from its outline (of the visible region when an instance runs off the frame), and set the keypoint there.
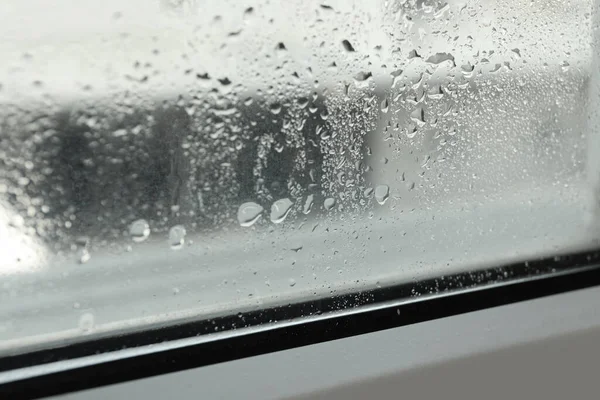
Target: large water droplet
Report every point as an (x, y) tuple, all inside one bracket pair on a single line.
[(382, 193), (329, 203), (280, 210), (308, 204), (177, 237), (249, 213), (139, 230)]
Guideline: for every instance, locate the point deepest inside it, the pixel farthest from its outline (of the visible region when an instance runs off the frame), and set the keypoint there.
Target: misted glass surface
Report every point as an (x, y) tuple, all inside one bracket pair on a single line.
[(185, 158)]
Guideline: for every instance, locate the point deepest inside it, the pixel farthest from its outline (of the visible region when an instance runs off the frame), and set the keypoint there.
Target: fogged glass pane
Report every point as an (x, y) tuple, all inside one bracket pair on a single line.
[(174, 159)]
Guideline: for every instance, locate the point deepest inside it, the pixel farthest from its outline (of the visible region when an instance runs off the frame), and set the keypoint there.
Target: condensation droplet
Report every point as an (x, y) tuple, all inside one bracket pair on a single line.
[(84, 256), (308, 204), (347, 46), (119, 133), (280, 209), (382, 193), (435, 93), (385, 105), (329, 203), (467, 68), (292, 282), (139, 230), (82, 241), (17, 221), (439, 58), (411, 132), (396, 75), (86, 322), (362, 77), (275, 108), (177, 237), (413, 54), (418, 116), (249, 213)]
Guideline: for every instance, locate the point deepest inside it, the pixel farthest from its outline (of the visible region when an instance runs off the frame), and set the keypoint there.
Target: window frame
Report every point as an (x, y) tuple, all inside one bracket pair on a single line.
[(96, 362)]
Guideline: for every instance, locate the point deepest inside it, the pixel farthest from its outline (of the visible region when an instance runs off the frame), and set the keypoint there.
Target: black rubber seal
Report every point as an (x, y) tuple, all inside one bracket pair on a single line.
[(438, 298)]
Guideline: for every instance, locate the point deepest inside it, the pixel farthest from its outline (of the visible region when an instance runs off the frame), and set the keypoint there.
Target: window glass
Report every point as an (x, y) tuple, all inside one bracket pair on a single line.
[(175, 159)]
